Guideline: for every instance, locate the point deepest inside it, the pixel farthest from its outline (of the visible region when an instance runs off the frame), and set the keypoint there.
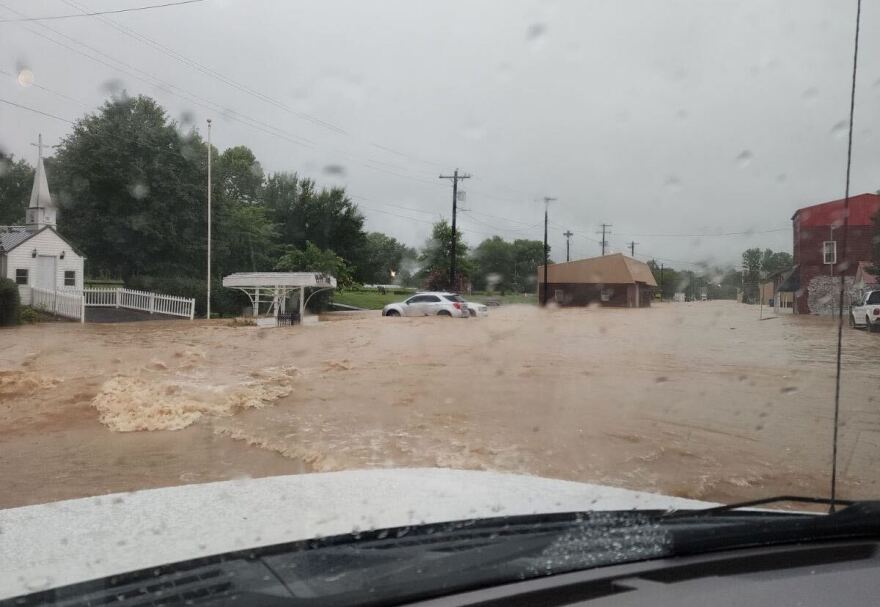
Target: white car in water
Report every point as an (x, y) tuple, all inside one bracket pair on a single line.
[(429, 303), (867, 313), (477, 309)]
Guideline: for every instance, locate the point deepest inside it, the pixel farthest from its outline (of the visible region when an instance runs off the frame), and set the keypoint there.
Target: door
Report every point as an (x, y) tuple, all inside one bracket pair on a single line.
[(47, 272), (413, 306), (432, 305)]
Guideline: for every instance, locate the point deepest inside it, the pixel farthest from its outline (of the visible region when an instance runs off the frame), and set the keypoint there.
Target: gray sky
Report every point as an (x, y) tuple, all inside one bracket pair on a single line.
[(660, 118)]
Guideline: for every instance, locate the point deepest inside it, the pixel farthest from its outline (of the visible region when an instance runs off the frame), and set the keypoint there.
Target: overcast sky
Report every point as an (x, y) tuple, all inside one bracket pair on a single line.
[(661, 118)]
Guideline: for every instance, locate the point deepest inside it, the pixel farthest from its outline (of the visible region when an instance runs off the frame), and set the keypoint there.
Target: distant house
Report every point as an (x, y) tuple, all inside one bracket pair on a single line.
[(818, 255), (610, 280), (35, 255)]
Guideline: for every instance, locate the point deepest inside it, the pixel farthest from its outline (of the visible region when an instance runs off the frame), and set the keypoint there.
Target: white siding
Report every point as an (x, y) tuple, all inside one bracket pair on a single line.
[(46, 242)]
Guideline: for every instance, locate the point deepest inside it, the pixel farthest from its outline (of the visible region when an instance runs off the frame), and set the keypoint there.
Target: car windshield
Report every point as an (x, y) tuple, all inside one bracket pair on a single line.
[(276, 271)]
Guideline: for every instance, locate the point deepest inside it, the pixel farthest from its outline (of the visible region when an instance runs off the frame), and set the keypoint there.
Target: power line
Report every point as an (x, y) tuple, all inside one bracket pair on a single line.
[(108, 12), (36, 111)]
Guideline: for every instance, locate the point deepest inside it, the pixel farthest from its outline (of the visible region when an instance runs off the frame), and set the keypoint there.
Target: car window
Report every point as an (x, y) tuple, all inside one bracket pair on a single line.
[(454, 298), (431, 299), (874, 298)]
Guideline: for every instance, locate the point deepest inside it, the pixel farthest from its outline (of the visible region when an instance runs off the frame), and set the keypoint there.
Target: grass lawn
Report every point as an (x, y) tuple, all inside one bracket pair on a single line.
[(371, 300)]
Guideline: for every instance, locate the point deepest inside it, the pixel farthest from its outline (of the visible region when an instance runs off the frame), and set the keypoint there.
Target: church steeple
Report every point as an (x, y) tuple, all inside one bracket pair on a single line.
[(41, 211)]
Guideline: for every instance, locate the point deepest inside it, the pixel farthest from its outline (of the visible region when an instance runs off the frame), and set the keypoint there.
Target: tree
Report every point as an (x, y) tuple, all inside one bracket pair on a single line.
[(312, 259), (382, 259), (435, 259), (239, 176), (527, 255), (16, 181), (494, 262), (328, 218), (131, 191)]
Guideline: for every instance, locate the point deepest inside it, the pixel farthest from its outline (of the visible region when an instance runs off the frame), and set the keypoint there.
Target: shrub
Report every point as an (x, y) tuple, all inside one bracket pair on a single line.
[(10, 302), (29, 316)]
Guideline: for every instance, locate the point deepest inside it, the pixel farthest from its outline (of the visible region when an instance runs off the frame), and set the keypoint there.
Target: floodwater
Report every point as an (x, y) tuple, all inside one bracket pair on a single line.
[(702, 400)]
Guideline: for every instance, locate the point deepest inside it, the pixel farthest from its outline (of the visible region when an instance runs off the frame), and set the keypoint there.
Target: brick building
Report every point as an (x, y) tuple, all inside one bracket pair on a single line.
[(818, 255)]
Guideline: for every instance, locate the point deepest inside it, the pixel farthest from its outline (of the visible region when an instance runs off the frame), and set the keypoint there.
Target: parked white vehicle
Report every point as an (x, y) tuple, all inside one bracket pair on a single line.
[(867, 314), (431, 303), (477, 309)]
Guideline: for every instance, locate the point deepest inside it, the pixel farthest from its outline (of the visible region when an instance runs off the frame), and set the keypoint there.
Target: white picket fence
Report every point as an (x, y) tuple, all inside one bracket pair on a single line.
[(71, 303), (66, 303), (154, 303)]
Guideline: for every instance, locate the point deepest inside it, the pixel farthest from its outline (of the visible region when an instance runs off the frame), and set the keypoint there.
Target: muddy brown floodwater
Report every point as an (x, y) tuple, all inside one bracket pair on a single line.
[(700, 400)]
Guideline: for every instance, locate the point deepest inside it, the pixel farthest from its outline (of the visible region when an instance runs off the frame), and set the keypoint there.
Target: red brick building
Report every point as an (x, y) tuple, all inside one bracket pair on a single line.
[(818, 249)]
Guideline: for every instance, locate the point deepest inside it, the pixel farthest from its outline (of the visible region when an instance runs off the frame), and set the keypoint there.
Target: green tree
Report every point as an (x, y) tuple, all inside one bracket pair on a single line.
[(16, 180), (435, 259), (528, 255), (328, 218), (494, 264), (382, 255), (131, 191), (239, 176)]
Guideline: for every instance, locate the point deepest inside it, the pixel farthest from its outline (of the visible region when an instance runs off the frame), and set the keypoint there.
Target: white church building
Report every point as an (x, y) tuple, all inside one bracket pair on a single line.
[(35, 254)]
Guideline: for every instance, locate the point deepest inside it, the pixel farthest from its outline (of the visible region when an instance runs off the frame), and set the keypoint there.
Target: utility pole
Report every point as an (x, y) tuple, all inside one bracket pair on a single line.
[(547, 201), (661, 281), (208, 306), (632, 248), (455, 177), (604, 243), (568, 234)]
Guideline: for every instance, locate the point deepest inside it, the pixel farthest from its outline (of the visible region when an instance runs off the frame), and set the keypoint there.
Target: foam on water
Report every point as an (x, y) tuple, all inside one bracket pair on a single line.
[(132, 403)]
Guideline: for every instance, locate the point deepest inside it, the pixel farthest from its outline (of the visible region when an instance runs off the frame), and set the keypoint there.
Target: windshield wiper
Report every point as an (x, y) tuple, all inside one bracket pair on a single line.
[(796, 499)]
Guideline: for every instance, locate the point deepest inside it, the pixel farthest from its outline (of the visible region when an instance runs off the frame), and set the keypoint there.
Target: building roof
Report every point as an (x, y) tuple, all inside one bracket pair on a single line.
[(40, 196), (12, 236), (613, 269), (861, 208), (278, 279)]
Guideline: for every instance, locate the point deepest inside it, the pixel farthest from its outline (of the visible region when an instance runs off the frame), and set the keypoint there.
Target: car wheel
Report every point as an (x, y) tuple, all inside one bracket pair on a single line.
[(444, 313), (870, 327), (472, 314), (392, 313)]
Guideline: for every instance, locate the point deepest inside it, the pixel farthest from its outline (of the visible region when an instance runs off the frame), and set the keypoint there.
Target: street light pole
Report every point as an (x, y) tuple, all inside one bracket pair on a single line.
[(208, 306)]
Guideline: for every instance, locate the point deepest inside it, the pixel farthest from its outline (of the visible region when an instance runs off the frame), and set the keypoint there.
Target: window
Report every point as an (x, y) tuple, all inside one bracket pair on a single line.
[(829, 252), (873, 298), (453, 298), (430, 299), (21, 276), (69, 278)]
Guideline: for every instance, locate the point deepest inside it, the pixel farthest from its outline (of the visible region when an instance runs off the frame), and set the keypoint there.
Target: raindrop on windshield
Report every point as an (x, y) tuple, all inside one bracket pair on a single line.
[(840, 129), (744, 159), (25, 77)]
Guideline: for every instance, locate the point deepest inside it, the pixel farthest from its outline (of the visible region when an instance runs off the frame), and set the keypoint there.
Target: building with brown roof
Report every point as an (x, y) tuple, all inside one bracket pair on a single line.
[(610, 280)]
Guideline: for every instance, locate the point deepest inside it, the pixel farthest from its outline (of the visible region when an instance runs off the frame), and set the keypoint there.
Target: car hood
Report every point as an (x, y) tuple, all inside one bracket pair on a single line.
[(70, 541)]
